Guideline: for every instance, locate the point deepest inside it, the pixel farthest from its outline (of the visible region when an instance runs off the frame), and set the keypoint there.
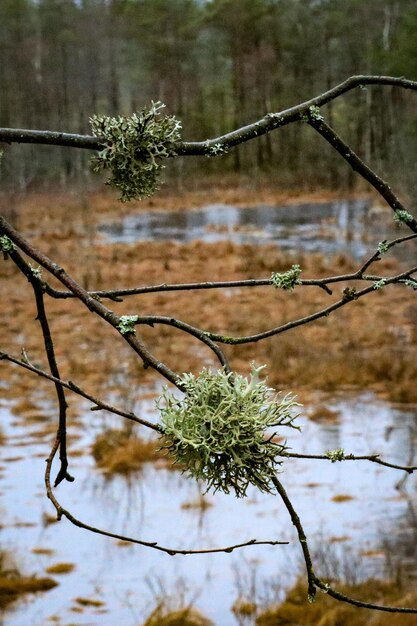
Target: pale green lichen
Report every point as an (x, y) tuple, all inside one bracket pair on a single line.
[(335, 455), (409, 282), (220, 430), (36, 271), (134, 148), (402, 216), (127, 324), (216, 149), (383, 247), (287, 280), (313, 113), (379, 284), (6, 244)]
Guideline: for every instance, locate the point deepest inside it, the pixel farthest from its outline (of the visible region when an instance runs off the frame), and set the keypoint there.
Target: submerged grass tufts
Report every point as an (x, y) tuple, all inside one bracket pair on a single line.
[(219, 430)]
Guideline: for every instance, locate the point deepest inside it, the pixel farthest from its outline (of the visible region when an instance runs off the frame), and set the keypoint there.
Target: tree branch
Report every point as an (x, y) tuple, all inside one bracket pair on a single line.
[(266, 124), (61, 512)]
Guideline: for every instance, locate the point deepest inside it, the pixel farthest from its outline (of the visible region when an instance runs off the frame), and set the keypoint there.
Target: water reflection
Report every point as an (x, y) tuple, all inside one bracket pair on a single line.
[(343, 226), (376, 518)]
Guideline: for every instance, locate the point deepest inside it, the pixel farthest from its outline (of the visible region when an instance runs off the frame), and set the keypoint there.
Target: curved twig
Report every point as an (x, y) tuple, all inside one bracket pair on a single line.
[(61, 512), (314, 582), (91, 303)]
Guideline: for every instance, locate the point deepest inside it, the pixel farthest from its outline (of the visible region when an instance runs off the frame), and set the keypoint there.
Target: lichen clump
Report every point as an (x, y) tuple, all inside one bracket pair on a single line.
[(287, 280), (220, 431), (134, 148)]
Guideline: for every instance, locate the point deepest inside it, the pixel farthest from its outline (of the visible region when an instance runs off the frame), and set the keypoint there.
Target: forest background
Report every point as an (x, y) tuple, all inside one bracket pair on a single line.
[(217, 65)]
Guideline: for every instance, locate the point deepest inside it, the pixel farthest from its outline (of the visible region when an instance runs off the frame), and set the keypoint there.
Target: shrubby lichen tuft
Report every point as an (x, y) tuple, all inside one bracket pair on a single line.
[(134, 148), (219, 431), (409, 282)]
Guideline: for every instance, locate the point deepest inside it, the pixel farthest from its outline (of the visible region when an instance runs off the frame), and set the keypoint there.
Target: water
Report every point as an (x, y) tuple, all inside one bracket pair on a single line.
[(378, 517), (344, 226), (374, 524)]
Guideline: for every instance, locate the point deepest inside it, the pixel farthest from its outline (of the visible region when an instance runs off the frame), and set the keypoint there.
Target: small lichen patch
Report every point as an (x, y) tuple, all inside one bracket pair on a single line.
[(127, 324), (6, 244), (335, 455), (287, 280), (402, 216)]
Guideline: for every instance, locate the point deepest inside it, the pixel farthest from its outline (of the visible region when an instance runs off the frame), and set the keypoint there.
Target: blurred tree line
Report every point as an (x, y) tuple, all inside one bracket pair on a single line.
[(217, 64)]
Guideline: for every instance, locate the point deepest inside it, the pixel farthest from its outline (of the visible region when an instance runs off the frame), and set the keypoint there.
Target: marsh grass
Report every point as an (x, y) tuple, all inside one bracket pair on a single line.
[(368, 345), (60, 568), (295, 611), (121, 451), (14, 585), (188, 616)]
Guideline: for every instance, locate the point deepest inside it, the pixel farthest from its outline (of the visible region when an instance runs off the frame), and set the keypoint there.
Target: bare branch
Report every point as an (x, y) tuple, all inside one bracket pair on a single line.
[(269, 122), (359, 166), (91, 303), (61, 512), (98, 404), (314, 582), (373, 458)]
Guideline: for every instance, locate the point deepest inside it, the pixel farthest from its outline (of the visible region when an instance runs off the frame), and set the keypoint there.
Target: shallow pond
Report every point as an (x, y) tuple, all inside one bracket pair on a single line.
[(371, 525), (344, 226), (353, 512)]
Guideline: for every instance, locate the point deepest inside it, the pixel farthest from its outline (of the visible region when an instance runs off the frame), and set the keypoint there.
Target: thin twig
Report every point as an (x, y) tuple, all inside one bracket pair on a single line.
[(373, 458), (359, 166), (61, 512), (348, 296), (91, 303), (98, 404), (314, 581)]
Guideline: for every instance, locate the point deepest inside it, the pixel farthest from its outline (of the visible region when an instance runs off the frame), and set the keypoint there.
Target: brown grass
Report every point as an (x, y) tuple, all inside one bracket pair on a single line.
[(60, 568), (181, 617), (368, 344), (13, 584), (322, 414), (121, 451), (342, 497), (295, 610), (244, 608), (200, 503), (89, 602)]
